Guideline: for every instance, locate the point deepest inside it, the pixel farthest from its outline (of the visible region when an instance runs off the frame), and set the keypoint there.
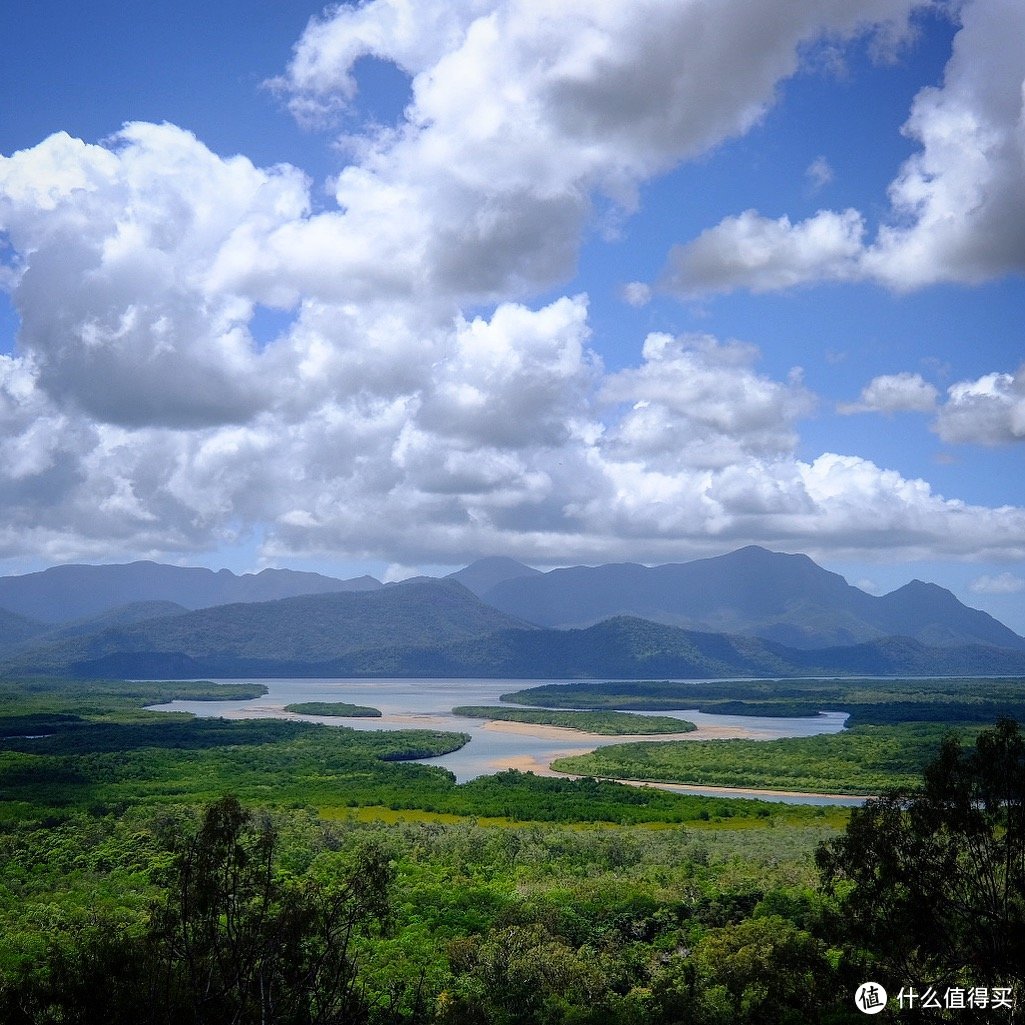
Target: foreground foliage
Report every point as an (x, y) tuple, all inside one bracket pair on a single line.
[(133, 892), (229, 939), (278, 917), (932, 878)]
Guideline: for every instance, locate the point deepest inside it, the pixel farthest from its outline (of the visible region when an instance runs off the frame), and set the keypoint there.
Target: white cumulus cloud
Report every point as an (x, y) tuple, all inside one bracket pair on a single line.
[(894, 393), (766, 255), (698, 402), (957, 206), (987, 411), (124, 277), (417, 405), (520, 112)]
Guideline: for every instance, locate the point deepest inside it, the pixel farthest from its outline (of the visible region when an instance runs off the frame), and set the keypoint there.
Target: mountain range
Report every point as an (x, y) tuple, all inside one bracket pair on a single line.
[(62, 594), (753, 592), (749, 613)]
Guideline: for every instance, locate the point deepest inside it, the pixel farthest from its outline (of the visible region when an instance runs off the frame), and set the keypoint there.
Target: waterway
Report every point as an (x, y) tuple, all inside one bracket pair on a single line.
[(496, 745)]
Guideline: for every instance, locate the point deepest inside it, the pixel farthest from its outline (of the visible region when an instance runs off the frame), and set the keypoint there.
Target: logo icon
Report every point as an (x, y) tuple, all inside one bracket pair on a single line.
[(870, 998)]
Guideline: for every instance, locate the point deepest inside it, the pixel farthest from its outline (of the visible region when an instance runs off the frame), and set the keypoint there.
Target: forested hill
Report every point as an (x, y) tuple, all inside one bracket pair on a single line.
[(752, 591), (437, 628), (16, 629), (292, 635), (629, 648)]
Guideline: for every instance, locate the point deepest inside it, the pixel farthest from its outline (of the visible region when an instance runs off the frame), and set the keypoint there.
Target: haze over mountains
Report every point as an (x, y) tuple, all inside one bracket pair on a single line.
[(65, 593), (754, 592), (751, 612)]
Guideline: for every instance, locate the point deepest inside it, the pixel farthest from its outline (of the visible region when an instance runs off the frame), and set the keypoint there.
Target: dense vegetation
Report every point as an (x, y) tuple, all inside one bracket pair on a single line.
[(108, 753), (866, 700), (340, 885), (604, 723), (339, 708), (931, 878), (863, 760), (177, 915), (894, 728), (107, 699), (453, 923)]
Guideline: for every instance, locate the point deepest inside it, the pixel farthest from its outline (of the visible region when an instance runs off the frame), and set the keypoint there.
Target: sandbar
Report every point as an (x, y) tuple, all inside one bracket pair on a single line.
[(544, 731)]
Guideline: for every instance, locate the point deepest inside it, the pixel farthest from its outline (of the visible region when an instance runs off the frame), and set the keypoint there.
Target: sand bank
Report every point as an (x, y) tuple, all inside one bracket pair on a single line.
[(547, 732)]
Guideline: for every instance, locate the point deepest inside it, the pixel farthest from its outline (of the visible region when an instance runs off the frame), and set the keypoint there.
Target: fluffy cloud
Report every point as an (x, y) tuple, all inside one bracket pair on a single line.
[(957, 205), (988, 411), (417, 407), (124, 278), (861, 504), (894, 393), (520, 112), (696, 402), (765, 255), (427, 476)]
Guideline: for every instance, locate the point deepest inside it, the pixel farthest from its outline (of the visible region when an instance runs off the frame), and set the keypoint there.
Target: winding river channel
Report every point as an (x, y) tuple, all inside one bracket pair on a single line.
[(495, 745)]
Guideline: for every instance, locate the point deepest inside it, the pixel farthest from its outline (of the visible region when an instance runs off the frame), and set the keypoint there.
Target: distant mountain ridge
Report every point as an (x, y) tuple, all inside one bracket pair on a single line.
[(752, 612), (482, 575), (247, 638), (751, 592), (15, 629), (63, 594)]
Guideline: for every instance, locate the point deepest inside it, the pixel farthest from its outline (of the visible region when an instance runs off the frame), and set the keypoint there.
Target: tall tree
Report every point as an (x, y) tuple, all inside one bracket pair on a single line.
[(932, 879), (235, 942)]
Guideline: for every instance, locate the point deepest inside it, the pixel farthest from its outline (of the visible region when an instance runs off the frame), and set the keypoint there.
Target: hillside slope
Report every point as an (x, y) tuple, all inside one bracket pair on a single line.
[(296, 632), (754, 592)]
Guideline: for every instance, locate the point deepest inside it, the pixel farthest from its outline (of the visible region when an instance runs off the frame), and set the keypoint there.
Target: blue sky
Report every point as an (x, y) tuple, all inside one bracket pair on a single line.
[(388, 287)]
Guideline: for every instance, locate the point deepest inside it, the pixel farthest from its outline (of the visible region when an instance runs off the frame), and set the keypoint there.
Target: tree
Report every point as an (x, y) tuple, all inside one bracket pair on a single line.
[(932, 879), (234, 942)]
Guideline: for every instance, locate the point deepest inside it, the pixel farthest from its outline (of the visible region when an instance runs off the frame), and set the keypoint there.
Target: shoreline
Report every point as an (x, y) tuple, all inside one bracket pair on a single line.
[(541, 766), (530, 763), (541, 731), (546, 730)]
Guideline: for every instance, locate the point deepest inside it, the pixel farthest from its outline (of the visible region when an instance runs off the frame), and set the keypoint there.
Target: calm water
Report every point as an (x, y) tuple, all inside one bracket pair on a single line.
[(427, 704)]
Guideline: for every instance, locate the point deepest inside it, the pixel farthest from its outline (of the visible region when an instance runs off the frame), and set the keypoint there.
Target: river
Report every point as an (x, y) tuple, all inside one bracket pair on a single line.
[(493, 746)]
